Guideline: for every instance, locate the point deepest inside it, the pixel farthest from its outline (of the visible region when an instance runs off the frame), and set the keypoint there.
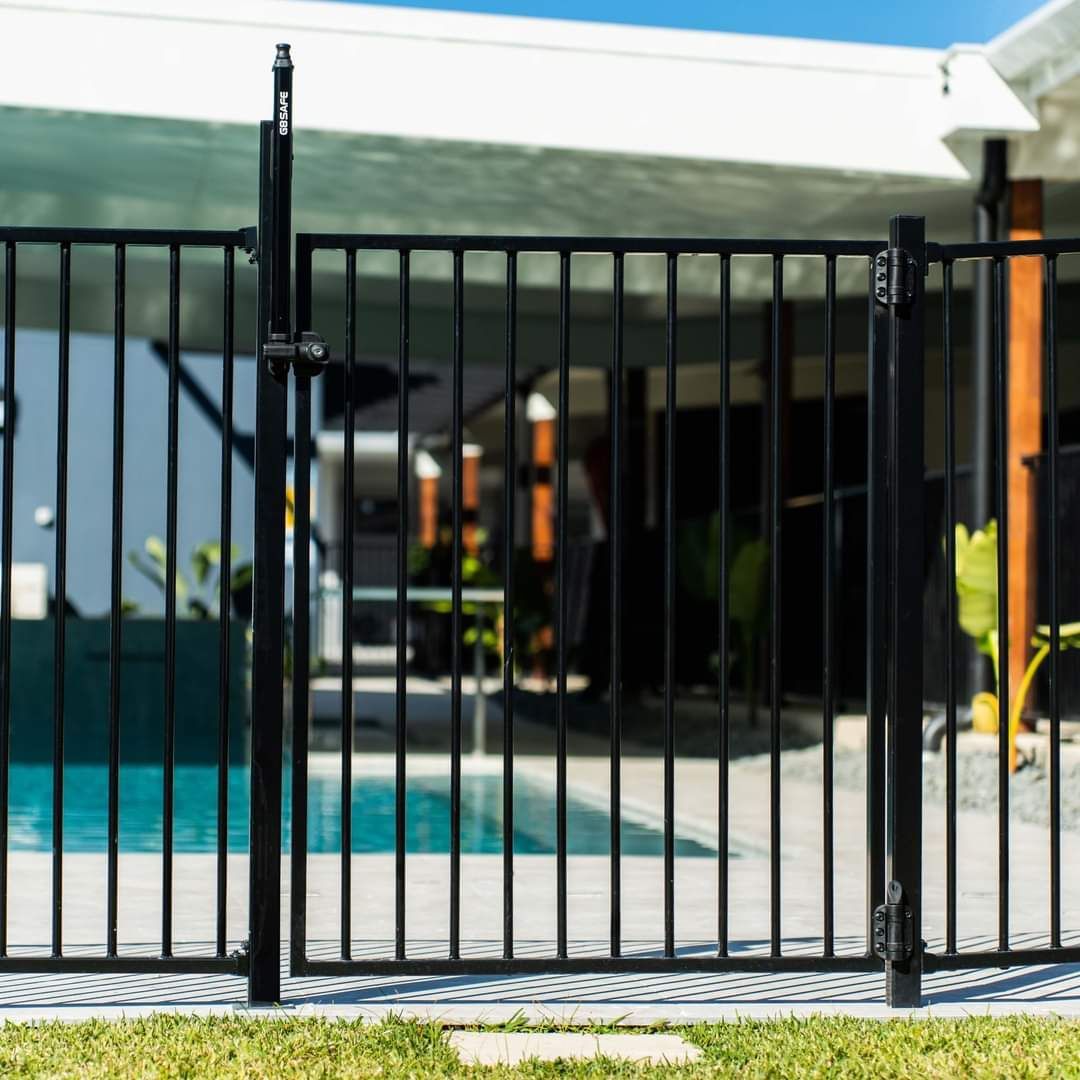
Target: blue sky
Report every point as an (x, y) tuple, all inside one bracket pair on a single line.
[(934, 23)]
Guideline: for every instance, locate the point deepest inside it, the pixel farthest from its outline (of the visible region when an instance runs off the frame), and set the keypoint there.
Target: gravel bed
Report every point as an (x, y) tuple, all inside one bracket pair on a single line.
[(976, 783)]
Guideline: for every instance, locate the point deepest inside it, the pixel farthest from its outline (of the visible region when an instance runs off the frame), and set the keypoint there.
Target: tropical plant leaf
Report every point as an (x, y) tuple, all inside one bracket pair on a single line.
[(153, 566), (1068, 635), (148, 569), (154, 546), (746, 604), (241, 577), (698, 543), (204, 559), (976, 582)]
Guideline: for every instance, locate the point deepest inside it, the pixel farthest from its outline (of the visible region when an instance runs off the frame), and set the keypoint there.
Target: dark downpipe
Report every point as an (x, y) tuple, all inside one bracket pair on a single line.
[(275, 232), (987, 227)]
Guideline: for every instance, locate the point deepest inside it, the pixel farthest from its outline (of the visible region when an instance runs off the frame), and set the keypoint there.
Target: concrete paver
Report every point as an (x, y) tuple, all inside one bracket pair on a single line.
[(513, 1047)]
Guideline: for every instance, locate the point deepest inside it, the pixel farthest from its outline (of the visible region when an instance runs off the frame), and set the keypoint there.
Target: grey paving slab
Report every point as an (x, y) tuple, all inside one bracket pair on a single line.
[(512, 1047)]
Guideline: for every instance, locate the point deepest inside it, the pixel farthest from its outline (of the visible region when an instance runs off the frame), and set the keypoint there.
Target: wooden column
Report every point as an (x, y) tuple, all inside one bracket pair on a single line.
[(427, 476), (470, 497), (1025, 420), (429, 510), (541, 415)]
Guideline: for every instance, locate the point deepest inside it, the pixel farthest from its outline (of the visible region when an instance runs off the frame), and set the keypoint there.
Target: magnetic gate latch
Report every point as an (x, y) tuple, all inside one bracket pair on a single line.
[(893, 936), (308, 356), (894, 277)]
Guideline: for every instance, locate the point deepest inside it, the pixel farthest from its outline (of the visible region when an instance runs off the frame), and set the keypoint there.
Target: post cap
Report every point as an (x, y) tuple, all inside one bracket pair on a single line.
[(283, 58)]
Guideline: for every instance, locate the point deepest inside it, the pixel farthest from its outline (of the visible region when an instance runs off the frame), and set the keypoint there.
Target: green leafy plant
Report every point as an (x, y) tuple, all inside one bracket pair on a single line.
[(698, 561), (977, 602), (482, 619), (199, 594)]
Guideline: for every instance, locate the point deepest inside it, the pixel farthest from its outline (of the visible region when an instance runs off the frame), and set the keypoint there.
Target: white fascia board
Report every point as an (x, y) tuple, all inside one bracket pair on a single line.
[(979, 105), (1040, 52), (489, 79)]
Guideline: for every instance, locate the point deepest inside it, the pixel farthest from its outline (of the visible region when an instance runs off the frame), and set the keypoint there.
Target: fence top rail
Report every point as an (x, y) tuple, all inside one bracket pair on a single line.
[(23, 234), (584, 245), (1002, 249)]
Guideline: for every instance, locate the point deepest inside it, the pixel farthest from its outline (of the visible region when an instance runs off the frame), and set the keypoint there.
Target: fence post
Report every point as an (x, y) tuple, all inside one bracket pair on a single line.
[(905, 296), (267, 676)]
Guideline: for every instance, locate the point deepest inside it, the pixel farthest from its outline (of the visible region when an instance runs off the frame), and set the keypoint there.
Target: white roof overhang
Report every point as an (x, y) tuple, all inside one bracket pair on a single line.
[(413, 74), (133, 112)]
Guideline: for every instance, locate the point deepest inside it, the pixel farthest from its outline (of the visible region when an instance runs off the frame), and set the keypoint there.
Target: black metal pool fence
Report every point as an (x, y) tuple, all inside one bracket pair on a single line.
[(292, 353)]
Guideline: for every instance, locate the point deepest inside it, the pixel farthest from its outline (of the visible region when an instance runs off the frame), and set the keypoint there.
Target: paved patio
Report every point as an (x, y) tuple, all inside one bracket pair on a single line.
[(640, 998)]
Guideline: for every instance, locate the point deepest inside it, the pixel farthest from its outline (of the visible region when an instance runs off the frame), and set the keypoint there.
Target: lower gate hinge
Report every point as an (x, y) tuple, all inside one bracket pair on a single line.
[(241, 954), (895, 277), (894, 939), (308, 356)]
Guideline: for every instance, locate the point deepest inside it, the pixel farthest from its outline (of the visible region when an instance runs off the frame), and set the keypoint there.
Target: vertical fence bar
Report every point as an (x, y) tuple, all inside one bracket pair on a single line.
[(60, 616), (402, 614), (669, 603), (563, 451), (301, 719), (267, 698), (172, 483), (1001, 406), (904, 778), (877, 529), (950, 607), (615, 551), (1053, 550), (5, 583), (723, 748), (348, 559), (457, 500), (775, 528), (116, 603), (828, 629), (225, 600), (509, 508)]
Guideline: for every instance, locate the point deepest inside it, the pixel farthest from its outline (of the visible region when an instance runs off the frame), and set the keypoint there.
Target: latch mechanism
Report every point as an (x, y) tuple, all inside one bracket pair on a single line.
[(308, 356), (894, 277), (893, 937)]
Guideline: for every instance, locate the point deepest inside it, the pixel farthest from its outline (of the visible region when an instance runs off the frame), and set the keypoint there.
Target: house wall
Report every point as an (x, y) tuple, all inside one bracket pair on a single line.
[(90, 460)]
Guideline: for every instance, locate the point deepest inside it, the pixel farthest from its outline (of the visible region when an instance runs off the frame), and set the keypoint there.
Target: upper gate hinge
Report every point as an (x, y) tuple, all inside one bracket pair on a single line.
[(308, 356), (895, 277), (894, 938), (250, 243)]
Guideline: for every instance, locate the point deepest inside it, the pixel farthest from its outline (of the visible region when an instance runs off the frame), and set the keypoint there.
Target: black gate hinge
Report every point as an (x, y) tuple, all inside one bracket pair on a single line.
[(895, 277), (308, 356), (894, 939), (241, 955), (250, 243)]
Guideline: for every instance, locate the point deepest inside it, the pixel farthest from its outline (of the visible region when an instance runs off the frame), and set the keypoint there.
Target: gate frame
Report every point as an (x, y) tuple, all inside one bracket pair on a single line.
[(896, 511)]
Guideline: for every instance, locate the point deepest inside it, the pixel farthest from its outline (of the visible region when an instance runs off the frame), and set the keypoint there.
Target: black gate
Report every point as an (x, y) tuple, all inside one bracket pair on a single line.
[(889, 934)]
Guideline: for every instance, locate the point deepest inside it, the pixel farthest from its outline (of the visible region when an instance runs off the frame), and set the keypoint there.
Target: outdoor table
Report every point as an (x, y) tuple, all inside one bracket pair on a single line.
[(426, 594)]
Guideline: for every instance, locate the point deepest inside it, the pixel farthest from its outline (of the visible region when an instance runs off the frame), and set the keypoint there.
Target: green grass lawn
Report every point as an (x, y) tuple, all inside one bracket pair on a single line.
[(170, 1046)]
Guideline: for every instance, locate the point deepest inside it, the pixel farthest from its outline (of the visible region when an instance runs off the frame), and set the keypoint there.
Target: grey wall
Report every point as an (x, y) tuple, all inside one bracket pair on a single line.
[(90, 459)]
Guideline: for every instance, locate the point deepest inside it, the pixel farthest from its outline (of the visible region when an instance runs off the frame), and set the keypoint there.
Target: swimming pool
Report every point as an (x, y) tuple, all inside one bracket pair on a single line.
[(427, 814)]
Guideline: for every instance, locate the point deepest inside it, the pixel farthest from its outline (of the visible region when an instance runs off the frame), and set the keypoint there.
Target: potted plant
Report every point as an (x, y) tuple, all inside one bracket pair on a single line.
[(977, 601)]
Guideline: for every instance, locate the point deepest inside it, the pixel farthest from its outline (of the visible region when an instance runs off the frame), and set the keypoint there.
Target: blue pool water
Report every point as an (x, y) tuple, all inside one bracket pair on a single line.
[(195, 822)]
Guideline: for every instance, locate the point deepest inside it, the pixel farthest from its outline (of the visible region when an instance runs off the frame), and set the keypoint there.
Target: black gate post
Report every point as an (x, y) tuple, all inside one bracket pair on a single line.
[(902, 273), (267, 678)]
